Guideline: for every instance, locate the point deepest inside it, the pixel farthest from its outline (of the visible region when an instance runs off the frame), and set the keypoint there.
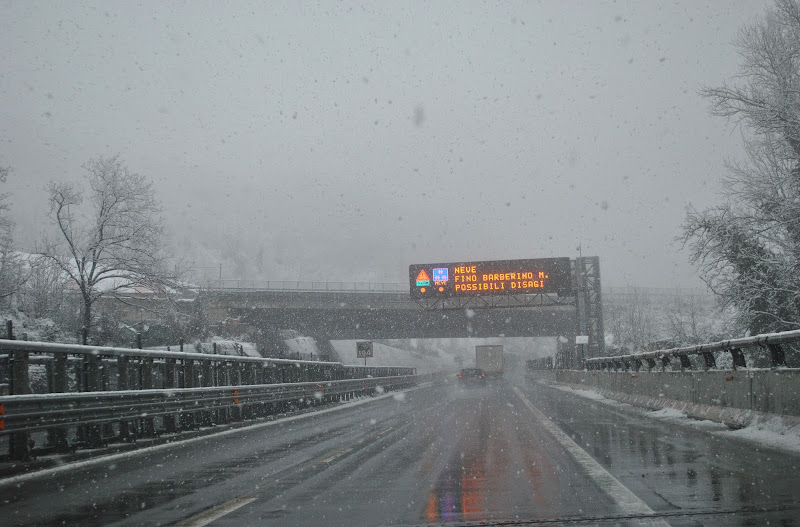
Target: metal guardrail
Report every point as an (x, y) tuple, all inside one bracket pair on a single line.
[(77, 368), (29, 413), (772, 341), (113, 386)]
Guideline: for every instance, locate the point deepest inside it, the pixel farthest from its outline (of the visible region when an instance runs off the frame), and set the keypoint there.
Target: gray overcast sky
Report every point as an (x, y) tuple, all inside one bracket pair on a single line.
[(340, 141)]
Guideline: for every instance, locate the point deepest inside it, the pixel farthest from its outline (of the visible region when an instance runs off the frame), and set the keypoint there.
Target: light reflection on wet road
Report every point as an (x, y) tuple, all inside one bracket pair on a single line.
[(441, 454)]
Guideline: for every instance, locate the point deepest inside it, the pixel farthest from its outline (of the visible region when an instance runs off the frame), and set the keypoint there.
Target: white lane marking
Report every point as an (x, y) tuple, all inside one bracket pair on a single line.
[(14, 480), (335, 455), (627, 501), (217, 512)]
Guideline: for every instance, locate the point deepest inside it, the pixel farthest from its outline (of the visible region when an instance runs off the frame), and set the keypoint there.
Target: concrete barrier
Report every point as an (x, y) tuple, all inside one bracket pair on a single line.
[(736, 398)]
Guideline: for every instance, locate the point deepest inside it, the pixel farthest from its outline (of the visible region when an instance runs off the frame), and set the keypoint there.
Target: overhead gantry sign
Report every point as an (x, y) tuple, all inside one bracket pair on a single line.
[(499, 277)]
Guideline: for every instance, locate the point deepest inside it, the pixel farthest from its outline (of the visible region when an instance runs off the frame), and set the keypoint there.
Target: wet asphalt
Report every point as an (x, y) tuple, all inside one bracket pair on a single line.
[(442, 454)]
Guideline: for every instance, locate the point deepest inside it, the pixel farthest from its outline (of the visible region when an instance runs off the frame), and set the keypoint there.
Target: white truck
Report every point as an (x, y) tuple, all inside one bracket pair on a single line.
[(490, 360)]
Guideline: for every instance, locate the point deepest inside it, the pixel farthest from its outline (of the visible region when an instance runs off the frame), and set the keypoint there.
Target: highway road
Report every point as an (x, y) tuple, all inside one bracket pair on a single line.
[(442, 453)]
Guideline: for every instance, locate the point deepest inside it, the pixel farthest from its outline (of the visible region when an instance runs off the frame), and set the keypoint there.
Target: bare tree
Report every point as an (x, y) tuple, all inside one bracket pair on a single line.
[(110, 240), (46, 292), (632, 322), (695, 319), (748, 249), (12, 274)]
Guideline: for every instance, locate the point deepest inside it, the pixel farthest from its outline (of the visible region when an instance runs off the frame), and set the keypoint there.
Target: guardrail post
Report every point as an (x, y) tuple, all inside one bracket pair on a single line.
[(709, 360), (738, 358), (247, 378), (58, 437), (91, 365), (686, 364), (664, 362), (223, 379), (19, 381), (19, 445), (207, 380), (108, 428), (777, 355), (236, 411), (187, 418), (147, 384), (651, 363), (169, 383), (637, 365), (123, 383)]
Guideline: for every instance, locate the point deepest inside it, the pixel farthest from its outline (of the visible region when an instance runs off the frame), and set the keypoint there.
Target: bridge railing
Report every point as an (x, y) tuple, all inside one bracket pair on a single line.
[(662, 358), (312, 286), (48, 373)]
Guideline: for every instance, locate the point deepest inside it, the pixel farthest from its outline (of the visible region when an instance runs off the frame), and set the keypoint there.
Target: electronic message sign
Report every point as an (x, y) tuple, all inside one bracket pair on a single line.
[(500, 277)]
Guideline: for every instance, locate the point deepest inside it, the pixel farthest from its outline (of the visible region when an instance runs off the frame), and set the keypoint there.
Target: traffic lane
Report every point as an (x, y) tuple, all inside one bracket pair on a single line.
[(469, 454), (170, 482), (691, 475)]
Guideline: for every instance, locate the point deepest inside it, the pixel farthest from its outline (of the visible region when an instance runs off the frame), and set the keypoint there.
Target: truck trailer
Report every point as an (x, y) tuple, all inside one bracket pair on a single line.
[(490, 360)]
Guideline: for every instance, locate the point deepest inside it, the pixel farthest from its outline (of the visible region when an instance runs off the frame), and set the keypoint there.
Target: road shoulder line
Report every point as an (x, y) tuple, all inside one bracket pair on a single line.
[(628, 502)]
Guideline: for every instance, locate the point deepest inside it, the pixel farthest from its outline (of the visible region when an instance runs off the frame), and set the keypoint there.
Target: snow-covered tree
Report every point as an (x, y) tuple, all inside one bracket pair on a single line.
[(46, 293), (12, 274), (633, 323), (748, 248)]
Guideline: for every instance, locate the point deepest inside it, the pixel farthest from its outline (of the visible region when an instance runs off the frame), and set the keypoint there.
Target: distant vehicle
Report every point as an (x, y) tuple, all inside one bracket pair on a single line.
[(490, 360), (472, 376)]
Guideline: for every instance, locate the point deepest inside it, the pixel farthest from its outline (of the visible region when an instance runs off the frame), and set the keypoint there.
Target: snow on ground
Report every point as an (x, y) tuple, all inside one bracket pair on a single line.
[(668, 412), (305, 347), (588, 394), (389, 356), (774, 433), (224, 347), (34, 329)]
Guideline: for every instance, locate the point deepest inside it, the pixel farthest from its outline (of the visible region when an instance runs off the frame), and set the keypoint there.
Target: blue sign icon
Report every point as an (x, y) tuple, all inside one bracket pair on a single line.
[(440, 274)]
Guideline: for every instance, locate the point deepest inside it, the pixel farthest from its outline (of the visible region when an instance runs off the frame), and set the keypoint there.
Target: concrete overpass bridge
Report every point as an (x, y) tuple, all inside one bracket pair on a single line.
[(340, 315), (346, 311)]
